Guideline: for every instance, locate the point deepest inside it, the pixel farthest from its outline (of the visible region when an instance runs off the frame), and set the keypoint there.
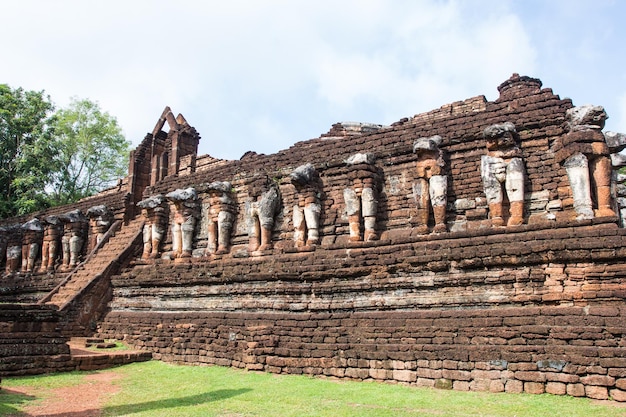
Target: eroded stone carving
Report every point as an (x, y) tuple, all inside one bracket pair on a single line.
[(585, 156), (13, 247), (615, 141), (154, 211), (221, 217), (306, 213), (503, 166), (265, 206), (50, 245), (431, 185), (100, 219), (74, 224), (31, 243), (361, 198), (185, 208)]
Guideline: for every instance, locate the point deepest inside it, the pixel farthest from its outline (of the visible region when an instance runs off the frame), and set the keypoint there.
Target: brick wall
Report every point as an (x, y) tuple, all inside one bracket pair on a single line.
[(469, 310), (561, 350), (31, 341), (559, 266), (28, 288)]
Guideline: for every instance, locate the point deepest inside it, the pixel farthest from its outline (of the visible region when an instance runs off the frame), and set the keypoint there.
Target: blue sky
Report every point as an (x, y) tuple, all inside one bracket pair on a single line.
[(262, 75)]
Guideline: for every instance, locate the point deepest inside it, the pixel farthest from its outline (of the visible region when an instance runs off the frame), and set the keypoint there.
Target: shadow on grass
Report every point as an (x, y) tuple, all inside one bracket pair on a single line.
[(122, 410), (222, 394), (9, 399)]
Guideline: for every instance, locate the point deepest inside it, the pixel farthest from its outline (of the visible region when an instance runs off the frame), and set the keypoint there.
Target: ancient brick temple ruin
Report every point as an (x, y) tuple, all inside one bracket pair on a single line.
[(479, 246)]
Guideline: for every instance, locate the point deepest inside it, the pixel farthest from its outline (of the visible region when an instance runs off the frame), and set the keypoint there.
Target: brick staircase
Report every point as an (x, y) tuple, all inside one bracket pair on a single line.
[(104, 261)]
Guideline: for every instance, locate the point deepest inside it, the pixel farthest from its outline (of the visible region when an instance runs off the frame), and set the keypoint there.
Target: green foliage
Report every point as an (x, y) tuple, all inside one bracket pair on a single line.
[(93, 152), (26, 147), (50, 158)]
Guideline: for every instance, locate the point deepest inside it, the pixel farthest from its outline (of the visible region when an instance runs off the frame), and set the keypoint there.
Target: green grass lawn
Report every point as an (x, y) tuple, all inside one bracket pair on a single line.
[(159, 389)]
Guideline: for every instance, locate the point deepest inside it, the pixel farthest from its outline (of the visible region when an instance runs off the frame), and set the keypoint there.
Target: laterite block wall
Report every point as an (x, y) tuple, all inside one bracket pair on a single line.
[(31, 341), (531, 308)]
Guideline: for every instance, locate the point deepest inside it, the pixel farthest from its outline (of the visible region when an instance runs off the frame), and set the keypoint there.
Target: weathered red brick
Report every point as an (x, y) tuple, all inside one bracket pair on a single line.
[(534, 387), (597, 392), (599, 380), (618, 395)]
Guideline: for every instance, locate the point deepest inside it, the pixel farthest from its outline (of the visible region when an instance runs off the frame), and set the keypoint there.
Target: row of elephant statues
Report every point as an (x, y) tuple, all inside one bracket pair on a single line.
[(58, 241), (585, 152)]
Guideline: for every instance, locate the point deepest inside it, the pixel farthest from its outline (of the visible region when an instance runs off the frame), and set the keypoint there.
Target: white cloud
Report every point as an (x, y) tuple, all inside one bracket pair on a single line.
[(427, 62), (260, 76)]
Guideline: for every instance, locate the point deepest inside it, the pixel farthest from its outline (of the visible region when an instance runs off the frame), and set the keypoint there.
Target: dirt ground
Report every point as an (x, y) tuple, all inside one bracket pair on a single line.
[(83, 400)]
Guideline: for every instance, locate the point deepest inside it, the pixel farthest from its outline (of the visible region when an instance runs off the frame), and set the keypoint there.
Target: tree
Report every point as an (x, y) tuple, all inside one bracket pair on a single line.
[(93, 152), (26, 146), (51, 158)]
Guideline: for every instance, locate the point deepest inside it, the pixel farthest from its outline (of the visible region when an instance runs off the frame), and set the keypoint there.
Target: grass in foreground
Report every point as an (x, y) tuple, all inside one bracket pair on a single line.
[(159, 389), (12, 403)]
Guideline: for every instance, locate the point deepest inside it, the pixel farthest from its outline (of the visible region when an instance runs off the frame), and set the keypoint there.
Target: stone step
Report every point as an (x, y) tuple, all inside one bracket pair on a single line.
[(99, 343), (89, 359), (103, 345), (97, 264)]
